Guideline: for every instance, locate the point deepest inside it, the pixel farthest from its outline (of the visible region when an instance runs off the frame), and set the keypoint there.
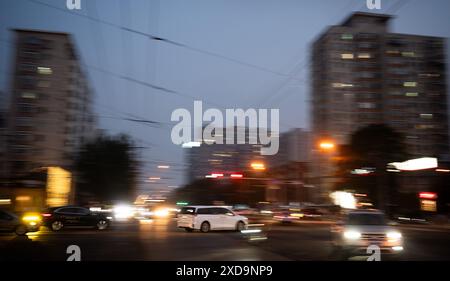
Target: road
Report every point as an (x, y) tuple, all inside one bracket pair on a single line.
[(162, 241)]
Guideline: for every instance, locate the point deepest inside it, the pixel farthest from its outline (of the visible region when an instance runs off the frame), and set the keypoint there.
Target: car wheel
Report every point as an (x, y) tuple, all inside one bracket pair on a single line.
[(57, 225), (205, 227), (240, 226), (188, 229), (102, 225), (21, 230)]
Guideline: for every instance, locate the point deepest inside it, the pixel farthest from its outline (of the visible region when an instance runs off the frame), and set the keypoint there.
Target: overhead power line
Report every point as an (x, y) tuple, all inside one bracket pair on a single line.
[(164, 40)]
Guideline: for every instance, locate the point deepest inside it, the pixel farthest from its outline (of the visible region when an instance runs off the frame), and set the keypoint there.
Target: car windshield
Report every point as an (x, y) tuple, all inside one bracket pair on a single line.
[(366, 219)]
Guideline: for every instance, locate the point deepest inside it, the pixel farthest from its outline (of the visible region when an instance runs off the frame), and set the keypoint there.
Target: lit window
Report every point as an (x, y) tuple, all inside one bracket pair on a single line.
[(44, 70), (341, 85), (412, 94), (347, 56), (408, 54), (410, 84), (28, 95), (426, 116), (347, 36), (364, 56)]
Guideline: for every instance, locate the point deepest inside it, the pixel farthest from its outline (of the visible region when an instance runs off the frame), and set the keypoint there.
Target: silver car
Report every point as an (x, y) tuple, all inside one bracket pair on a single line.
[(363, 228)]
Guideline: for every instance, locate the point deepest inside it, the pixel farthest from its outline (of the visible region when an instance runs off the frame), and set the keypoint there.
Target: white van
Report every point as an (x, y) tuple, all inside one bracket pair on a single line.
[(206, 218)]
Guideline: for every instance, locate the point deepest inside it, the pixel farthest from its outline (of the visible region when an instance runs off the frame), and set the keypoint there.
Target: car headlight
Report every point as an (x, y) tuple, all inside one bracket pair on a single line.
[(161, 213), (394, 235), (352, 235)]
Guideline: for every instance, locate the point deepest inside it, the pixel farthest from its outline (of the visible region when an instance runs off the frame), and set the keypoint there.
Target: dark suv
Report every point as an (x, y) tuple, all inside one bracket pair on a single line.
[(73, 216)]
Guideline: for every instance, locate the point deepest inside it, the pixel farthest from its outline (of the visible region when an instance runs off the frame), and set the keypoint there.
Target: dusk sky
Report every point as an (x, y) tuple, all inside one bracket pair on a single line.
[(235, 54)]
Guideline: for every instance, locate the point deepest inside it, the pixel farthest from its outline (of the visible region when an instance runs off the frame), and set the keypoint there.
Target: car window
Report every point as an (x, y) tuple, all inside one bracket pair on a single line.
[(221, 211), (81, 211), (366, 219), (205, 211), (67, 211), (187, 211)]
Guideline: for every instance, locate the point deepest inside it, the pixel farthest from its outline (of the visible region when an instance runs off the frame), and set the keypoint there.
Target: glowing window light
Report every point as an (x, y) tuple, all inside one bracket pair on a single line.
[(347, 56), (410, 84), (44, 70)]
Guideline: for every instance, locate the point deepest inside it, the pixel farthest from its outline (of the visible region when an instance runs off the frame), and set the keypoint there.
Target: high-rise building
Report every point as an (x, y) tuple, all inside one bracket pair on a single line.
[(50, 112), (362, 73)]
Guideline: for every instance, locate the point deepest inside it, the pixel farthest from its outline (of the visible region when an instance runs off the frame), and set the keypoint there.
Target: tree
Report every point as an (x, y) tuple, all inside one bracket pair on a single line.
[(106, 170), (372, 146)]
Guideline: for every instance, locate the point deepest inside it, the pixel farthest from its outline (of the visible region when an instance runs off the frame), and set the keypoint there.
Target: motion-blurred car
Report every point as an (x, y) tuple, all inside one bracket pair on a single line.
[(73, 216), (284, 215), (363, 228), (311, 213), (10, 222), (207, 218)]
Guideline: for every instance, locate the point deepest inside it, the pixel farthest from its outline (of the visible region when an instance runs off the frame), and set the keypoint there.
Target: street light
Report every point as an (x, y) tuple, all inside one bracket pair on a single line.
[(327, 145)]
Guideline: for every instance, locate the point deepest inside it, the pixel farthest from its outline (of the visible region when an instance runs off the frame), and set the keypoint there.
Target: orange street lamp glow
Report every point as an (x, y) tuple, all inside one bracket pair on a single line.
[(326, 145), (259, 166)]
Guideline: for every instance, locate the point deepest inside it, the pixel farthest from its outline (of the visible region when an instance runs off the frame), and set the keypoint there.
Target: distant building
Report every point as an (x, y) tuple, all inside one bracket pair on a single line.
[(294, 147), (363, 74), (289, 168), (210, 158), (50, 111)]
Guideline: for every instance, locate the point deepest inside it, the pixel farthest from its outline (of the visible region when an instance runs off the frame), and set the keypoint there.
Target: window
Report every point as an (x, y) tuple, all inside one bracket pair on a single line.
[(347, 36), (44, 70), (81, 211), (205, 211), (221, 211), (366, 219), (364, 56), (67, 211), (347, 56), (28, 95), (410, 84)]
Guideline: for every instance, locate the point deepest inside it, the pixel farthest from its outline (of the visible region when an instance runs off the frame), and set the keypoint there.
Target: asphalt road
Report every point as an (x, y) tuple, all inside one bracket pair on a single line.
[(162, 241)]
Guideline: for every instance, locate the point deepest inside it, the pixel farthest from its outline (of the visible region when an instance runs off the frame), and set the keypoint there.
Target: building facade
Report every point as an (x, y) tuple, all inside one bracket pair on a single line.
[(49, 114), (364, 74)]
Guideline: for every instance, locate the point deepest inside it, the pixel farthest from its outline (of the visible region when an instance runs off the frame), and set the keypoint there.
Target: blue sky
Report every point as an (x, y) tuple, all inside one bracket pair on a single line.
[(265, 45)]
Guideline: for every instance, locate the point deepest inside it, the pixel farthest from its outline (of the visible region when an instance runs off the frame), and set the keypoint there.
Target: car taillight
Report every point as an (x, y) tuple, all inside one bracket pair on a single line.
[(46, 215)]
